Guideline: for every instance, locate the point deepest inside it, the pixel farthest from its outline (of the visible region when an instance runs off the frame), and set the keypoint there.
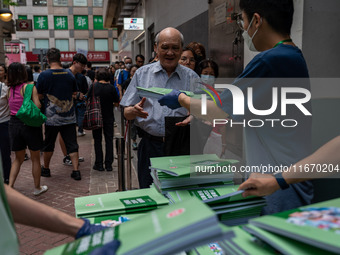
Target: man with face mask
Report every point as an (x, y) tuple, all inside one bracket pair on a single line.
[(124, 74), (280, 64)]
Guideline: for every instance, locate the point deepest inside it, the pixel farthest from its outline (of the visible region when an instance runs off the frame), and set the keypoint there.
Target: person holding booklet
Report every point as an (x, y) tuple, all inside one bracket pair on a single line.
[(266, 25), (21, 209), (267, 184), (149, 116)]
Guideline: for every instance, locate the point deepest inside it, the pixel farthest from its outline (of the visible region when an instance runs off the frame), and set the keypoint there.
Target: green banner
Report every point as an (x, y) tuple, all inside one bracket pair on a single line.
[(81, 22), (60, 23), (98, 22), (40, 22)]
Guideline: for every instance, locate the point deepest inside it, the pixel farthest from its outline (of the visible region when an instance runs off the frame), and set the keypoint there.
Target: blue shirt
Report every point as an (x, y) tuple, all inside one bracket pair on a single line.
[(282, 66), (58, 86), (153, 75), (123, 76)]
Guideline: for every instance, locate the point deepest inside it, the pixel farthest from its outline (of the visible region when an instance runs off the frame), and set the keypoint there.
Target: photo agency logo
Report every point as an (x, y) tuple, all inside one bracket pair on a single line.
[(239, 106)]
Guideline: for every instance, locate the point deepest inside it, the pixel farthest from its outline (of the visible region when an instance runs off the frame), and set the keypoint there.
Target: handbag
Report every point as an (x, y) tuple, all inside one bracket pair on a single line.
[(29, 113), (93, 115)]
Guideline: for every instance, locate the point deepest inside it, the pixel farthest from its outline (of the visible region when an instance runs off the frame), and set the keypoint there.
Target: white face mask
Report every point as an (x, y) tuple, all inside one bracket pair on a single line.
[(208, 79), (249, 40)]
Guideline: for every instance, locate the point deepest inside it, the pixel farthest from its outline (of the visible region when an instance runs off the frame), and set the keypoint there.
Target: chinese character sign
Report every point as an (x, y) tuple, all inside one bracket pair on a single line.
[(60, 22), (81, 22), (98, 22), (40, 22)]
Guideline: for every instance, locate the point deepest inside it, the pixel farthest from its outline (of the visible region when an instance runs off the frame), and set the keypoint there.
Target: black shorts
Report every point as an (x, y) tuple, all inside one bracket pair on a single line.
[(67, 132), (22, 136)]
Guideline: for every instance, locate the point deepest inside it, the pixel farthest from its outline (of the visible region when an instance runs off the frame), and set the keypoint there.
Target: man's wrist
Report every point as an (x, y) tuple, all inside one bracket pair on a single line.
[(181, 97), (281, 181)]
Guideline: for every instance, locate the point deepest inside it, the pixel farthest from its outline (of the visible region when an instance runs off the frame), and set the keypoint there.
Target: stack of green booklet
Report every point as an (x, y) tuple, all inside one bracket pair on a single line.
[(168, 230), (117, 203), (228, 203), (317, 225), (157, 93), (235, 241), (183, 172)]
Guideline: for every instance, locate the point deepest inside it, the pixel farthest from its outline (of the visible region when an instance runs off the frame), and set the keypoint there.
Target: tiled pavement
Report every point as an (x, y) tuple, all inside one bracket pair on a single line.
[(62, 191)]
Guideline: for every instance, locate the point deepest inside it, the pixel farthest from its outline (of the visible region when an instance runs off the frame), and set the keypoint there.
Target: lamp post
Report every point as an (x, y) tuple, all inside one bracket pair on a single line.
[(5, 16)]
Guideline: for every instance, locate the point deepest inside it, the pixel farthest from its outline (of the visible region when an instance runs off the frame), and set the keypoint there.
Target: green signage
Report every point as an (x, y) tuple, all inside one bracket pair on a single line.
[(60, 23), (40, 22), (98, 22), (81, 22)]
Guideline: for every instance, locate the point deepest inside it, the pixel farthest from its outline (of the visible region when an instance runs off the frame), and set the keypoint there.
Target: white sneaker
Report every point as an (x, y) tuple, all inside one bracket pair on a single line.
[(42, 189), (81, 134)]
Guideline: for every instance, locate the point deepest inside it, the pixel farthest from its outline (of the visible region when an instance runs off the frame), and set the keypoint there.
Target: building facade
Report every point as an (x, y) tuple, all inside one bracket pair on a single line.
[(70, 25)]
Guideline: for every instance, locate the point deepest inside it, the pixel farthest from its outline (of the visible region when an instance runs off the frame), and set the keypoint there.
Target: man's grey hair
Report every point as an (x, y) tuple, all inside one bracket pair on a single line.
[(180, 34)]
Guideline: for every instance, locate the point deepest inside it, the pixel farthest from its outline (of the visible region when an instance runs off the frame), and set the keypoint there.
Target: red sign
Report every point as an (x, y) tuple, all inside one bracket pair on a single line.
[(67, 56), (23, 25)]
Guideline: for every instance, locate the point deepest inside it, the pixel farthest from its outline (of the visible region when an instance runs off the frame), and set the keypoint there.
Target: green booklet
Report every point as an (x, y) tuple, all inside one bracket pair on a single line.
[(168, 230), (117, 203), (317, 225), (283, 244), (85, 245), (221, 194), (157, 93), (235, 241), (184, 165)]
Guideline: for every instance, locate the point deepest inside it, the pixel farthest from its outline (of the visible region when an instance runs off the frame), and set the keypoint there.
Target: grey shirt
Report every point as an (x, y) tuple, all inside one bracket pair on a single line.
[(153, 75)]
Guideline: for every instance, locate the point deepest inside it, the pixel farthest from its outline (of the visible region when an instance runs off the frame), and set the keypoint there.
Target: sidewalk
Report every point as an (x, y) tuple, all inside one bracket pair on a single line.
[(62, 191)]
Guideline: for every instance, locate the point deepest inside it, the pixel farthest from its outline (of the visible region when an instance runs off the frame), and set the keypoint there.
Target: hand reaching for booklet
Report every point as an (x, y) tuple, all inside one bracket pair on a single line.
[(171, 99), (88, 229)]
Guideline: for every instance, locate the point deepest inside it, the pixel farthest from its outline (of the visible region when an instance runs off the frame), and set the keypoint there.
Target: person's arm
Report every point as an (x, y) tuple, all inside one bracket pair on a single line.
[(176, 99), (35, 97), (131, 112), (266, 184), (29, 212)]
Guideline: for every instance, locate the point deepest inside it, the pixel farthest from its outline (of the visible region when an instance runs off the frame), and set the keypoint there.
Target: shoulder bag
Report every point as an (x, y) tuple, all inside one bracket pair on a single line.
[(93, 116), (29, 113)]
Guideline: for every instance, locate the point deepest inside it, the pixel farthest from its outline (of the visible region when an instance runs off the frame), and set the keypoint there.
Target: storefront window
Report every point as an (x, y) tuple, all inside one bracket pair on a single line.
[(40, 2), (97, 3), (62, 44), (100, 45), (42, 43), (82, 45), (79, 2)]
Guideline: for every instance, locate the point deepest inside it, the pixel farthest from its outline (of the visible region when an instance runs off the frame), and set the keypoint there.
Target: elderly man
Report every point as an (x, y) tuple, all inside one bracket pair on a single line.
[(148, 114)]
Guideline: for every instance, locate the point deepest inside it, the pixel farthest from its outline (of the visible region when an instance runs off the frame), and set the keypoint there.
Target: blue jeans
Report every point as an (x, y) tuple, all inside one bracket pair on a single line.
[(80, 111)]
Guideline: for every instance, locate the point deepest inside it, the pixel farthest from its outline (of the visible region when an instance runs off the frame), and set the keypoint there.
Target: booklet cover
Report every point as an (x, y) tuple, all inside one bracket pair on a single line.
[(283, 244), (157, 93), (182, 165), (235, 241), (168, 230), (317, 225), (119, 202)]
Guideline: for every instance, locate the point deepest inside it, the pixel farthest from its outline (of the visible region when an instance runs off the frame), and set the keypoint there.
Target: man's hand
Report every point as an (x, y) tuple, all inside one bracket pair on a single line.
[(137, 110), (185, 122), (259, 185), (171, 99)]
